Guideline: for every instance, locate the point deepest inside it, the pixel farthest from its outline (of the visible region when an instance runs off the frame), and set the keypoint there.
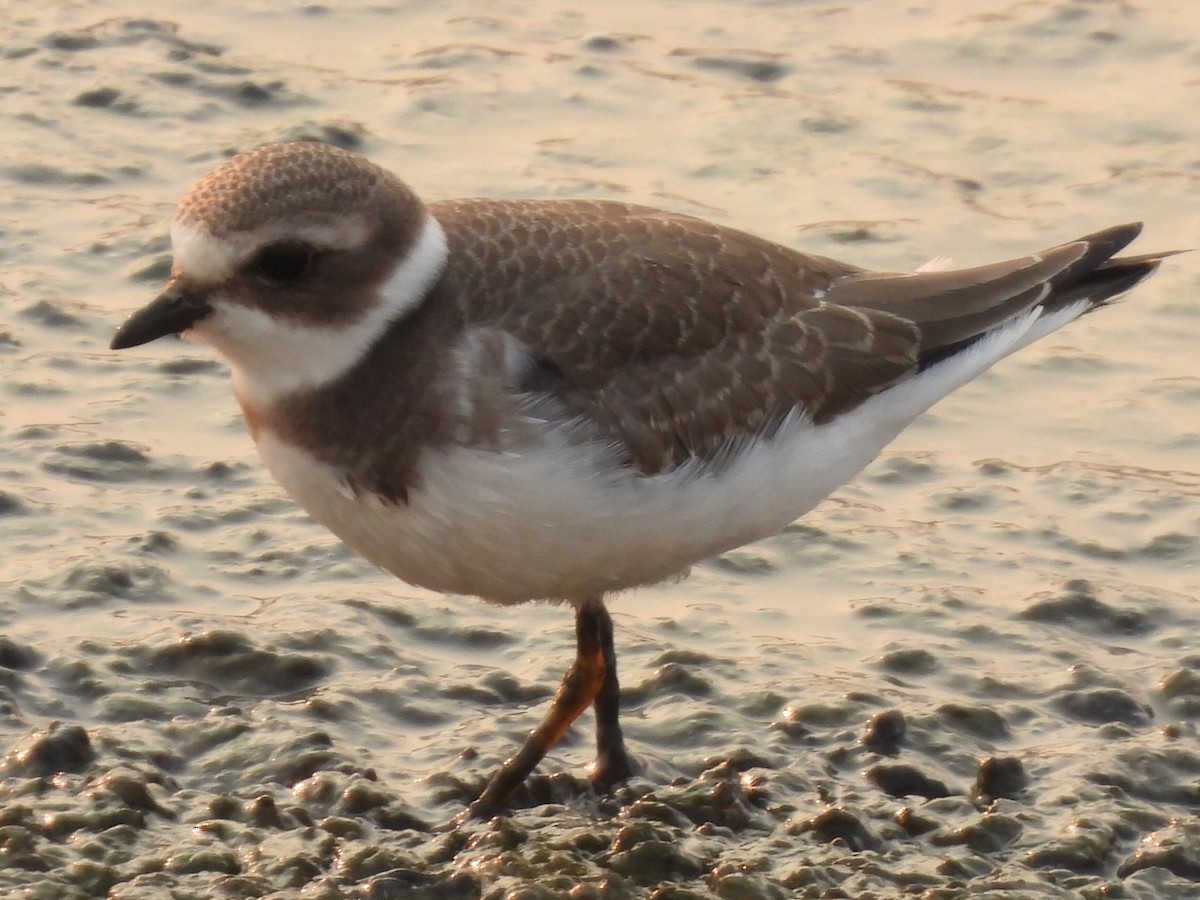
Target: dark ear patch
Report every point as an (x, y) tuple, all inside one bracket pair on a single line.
[(283, 262)]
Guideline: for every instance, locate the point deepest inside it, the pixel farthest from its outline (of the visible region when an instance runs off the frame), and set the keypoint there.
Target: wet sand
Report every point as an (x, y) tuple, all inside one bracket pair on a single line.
[(974, 671)]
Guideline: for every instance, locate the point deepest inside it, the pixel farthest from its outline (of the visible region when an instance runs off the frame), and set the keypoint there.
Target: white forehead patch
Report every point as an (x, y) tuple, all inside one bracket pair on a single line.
[(203, 257)]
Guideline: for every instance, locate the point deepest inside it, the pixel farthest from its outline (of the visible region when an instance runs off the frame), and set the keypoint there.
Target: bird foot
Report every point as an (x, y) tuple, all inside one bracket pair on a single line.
[(611, 768)]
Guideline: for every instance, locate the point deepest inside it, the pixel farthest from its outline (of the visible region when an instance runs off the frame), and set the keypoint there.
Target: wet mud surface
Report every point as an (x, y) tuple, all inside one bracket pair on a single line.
[(974, 671)]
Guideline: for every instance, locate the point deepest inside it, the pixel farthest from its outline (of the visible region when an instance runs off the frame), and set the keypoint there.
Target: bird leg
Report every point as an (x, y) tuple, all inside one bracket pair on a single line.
[(612, 764), (592, 678)]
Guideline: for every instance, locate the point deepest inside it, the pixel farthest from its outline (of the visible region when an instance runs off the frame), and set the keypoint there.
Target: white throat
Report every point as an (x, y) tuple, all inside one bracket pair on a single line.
[(272, 357)]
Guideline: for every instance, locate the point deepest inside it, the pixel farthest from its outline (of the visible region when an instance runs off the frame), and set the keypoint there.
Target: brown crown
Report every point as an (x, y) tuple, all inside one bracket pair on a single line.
[(277, 182)]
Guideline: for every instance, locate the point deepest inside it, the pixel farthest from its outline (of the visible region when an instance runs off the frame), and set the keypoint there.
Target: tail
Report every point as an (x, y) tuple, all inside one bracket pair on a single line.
[(952, 310), (1098, 277), (966, 321)]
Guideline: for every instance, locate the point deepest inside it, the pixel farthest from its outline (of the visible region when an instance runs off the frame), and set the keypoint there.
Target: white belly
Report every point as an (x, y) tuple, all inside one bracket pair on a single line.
[(559, 521)]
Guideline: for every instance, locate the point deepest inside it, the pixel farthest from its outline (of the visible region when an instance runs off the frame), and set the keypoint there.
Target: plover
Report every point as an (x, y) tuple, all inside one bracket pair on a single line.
[(561, 399)]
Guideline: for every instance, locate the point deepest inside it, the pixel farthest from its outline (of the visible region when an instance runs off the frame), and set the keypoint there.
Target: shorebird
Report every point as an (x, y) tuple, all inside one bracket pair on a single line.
[(562, 399)]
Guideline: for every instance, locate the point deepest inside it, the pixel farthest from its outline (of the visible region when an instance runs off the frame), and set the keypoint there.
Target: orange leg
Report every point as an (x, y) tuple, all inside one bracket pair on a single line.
[(592, 678)]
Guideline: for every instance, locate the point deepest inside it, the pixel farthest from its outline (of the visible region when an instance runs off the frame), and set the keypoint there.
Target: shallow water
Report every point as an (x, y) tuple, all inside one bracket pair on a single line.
[(974, 671)]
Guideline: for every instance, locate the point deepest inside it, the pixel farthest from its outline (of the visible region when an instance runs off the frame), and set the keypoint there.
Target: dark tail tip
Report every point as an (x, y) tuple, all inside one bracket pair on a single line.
[(1101, 277)]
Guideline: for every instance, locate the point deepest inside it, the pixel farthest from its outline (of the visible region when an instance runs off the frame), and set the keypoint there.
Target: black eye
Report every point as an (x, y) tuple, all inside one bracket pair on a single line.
[(284, 261)]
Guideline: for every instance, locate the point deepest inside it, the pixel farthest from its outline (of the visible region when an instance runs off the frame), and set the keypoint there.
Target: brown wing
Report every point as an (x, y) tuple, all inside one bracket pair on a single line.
[(672, 335)]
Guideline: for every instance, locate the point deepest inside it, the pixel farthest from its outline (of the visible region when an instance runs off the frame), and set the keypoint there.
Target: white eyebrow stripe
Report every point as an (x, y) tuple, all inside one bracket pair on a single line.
[(204, 257)]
